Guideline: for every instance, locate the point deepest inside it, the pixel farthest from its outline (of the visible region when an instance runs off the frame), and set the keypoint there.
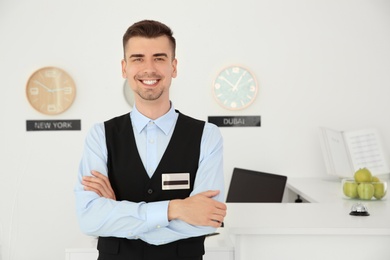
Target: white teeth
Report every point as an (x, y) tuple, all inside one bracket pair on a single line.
[(149, 82)]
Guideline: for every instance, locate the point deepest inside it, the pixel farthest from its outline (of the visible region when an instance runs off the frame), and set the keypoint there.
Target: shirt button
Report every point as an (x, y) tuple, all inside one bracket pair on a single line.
[(158, 226), (151, 141), (150, 191)]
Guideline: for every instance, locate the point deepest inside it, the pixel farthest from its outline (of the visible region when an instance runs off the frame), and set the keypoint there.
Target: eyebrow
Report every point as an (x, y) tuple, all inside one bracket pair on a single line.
[(160, 54), (154, 55)]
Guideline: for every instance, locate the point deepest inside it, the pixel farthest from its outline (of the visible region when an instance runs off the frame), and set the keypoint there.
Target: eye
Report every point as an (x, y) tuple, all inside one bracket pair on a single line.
[(136, 59)]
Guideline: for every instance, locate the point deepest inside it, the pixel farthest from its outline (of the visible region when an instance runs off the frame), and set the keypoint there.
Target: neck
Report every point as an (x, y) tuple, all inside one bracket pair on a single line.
[(153, 109)]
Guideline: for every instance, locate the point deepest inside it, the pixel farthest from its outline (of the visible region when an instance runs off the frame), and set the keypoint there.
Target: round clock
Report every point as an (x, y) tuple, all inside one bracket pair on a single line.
[(128, 93), (235, 88), (50, 90)]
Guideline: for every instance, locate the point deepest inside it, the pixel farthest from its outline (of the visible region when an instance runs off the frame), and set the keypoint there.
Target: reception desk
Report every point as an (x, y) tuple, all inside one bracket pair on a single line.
[(322, 229)]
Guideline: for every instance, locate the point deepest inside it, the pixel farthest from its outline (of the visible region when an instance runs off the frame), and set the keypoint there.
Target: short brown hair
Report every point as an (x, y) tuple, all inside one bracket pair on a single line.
[(149, 29)]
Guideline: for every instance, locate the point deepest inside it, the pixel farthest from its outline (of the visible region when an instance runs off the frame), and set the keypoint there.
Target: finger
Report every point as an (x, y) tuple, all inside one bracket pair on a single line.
[(91, 185), (218, 218), (210, 193), (89, 188), (96, 187), (220, 212), (215, 223), (220, 205), (100, 176), (94, 184), (88, 181), (98, 182), (97, 174), (92, 181), (104, 179)]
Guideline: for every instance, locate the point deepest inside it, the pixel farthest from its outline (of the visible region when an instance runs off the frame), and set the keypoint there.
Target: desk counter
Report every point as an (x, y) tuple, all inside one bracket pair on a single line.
[(322, 230)]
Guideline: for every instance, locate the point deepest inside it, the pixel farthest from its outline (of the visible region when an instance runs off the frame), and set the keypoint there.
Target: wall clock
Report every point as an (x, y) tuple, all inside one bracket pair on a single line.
[(50, 90), (235, 88), (128, 93)]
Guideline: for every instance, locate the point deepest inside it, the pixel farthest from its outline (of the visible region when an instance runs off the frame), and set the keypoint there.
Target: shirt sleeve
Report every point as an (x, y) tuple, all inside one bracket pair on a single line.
[(99, 216)]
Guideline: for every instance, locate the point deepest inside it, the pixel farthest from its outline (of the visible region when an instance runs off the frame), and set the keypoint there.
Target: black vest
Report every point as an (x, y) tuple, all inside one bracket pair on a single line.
[(131, 182)]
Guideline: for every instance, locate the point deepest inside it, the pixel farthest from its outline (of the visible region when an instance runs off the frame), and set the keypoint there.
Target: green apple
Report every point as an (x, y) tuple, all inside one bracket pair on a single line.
[(380, 190), (363, 175), (350, 189), (375, 179), (365, 190)]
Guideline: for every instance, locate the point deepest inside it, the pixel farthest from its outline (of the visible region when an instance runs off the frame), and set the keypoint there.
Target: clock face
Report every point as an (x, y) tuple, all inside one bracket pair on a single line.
[(50, 90), (235, 88)]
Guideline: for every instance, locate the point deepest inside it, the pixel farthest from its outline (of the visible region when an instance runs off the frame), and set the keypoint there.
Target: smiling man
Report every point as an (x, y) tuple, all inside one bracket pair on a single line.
[(149, 65), (150, 182)]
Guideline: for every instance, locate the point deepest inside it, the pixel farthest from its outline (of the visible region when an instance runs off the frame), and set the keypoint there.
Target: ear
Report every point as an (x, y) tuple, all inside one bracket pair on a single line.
[(174, 65), (124, 69)]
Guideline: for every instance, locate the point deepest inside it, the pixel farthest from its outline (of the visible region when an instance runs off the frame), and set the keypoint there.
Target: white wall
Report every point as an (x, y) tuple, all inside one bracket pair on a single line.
[(319, 63)]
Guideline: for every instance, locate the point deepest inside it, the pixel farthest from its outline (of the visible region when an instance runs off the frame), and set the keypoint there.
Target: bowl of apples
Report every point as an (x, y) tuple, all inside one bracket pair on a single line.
[(364, 186)]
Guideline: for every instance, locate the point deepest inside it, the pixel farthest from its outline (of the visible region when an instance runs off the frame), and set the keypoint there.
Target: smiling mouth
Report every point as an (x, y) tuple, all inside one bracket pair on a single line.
[(149, 82)]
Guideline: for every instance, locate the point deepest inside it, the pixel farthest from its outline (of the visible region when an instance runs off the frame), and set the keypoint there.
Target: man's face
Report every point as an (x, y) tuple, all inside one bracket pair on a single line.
[(149, 67)]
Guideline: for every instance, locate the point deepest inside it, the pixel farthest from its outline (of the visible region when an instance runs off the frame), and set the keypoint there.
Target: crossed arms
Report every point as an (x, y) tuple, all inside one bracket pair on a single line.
[(99, 213), (200, 209)]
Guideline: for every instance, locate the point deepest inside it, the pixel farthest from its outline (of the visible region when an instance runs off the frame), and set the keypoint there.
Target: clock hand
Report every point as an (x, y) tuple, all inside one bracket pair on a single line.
[(40, 84), (238, 81), (244, 83), (227, 81), (58, 89)]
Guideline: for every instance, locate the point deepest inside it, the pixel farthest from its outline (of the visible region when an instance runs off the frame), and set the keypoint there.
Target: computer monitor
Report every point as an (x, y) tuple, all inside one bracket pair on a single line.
[(254, 186)]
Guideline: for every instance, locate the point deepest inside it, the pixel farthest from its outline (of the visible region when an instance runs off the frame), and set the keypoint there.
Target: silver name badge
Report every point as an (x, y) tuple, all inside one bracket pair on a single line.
[(175, 181)]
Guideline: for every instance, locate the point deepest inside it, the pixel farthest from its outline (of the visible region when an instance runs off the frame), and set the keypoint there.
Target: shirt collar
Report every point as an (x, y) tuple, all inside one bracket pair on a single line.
[(166, 122)]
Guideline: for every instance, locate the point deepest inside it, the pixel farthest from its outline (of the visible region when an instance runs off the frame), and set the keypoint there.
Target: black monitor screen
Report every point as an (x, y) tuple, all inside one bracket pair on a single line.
[(254, 186)]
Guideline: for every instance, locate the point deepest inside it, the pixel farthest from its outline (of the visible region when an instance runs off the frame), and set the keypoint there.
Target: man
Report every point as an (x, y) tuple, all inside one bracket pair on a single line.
[(150, 183)]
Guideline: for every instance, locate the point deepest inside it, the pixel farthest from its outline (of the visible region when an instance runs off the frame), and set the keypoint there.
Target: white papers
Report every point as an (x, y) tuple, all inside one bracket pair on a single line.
[(346, 152)]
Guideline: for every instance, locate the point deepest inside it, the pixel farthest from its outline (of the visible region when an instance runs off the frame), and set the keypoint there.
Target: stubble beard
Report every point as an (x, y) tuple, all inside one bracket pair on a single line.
[(149, 95)]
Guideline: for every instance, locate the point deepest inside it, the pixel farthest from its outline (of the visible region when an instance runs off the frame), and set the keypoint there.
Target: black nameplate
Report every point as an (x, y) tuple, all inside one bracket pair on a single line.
[(235, 121), (53, 125)]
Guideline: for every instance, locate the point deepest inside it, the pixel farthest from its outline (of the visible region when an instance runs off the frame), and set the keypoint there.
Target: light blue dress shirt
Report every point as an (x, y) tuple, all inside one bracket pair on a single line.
[(99, 216)]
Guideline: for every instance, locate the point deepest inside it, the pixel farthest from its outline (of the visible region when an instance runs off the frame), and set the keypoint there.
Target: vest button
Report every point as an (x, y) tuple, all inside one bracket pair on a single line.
[(150, 191)]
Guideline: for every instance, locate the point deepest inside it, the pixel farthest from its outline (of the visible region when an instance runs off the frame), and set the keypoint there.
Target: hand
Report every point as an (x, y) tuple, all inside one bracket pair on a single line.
[(67, 90), (200, 209), (238, 81), (46, 88), (100, 184), (227, 81)]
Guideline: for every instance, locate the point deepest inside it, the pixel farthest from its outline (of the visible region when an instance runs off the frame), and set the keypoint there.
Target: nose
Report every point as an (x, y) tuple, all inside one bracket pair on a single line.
[(149, 66), (148, 71)]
